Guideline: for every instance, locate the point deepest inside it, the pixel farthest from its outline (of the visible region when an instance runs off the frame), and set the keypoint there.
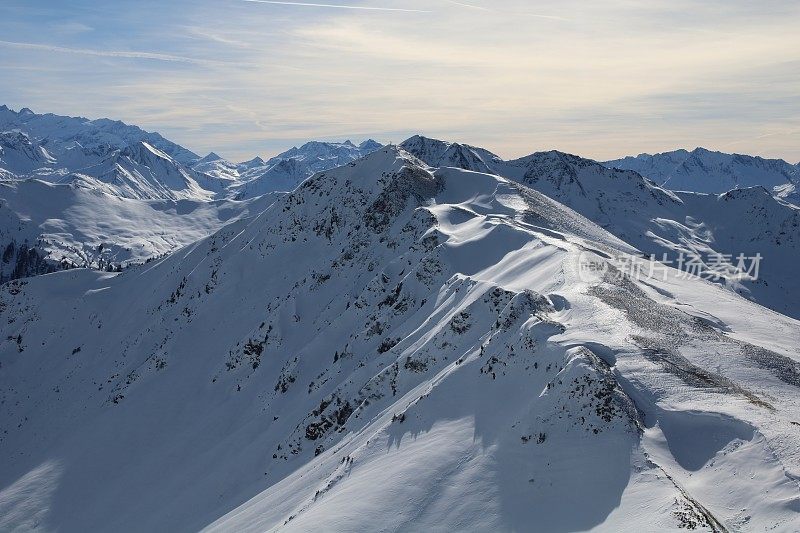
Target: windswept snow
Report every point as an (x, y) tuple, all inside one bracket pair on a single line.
[(661, 223)]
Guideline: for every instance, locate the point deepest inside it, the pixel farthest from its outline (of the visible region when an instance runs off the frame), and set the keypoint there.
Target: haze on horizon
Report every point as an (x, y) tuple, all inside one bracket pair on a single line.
[(254, 77)]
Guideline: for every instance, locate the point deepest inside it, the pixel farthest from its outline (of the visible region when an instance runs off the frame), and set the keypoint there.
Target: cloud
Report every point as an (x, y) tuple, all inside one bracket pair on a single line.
[(507, 12), (73, 28), (110, 53), (216, 37), (616, 77), (338, 6)]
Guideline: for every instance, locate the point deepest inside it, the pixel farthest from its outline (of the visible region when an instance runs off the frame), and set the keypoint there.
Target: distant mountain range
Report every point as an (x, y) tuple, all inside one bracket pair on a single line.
[(702, 170), (103, 194), (57, 134), (284, 171), (129, 162)]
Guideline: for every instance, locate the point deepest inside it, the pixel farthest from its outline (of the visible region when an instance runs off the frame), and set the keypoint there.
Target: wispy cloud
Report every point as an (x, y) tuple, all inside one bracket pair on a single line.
[(72, 28), (241, 78), (505, 12), (540, 16), (110, 53), (338, 6), (215, 37)]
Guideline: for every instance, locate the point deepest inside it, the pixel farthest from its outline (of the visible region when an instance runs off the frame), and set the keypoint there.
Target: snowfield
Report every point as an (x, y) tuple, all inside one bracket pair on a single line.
[(400, 345), (89, 227)]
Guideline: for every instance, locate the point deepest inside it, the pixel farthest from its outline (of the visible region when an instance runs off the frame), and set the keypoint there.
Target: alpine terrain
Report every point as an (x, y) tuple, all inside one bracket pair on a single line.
[(424, 338), (103, 194)]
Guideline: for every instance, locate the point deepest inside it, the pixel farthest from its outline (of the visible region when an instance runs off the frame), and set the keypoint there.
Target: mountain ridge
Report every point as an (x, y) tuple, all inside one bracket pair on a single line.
[(58, 130), (669, 225)]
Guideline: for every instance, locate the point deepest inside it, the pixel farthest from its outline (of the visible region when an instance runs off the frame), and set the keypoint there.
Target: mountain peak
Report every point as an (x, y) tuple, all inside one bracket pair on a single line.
[(438, 153), (369, 144), (212, 156), (143, 150), (703, 151), (251, 163), (751, 193), (422, 140)]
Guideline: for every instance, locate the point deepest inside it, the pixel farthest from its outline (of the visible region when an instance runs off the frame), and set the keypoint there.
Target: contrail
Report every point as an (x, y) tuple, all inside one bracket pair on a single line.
[(481, 8), (470, 6), (108, 53), (338, 6)]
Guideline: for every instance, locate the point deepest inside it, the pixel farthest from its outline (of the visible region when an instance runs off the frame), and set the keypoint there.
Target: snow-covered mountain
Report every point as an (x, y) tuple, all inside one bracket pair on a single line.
[(58, 133), (126, 161), (286, 170), (98, 194), (138, 170), (134, 194), (702, 170), (392, 346), (707, 227), (143, 172), (283, 172), (219, 167), (439, 153)]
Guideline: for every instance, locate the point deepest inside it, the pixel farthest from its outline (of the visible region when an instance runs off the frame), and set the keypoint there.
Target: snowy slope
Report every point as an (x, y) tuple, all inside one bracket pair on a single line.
[(218, 167), (20, 155), (143, 172), (88, 227), (657, 221), (705, 171), (392, 347)]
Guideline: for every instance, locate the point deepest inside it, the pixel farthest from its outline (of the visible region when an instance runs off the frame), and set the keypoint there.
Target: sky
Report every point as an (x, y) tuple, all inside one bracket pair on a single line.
[(600, 78)]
